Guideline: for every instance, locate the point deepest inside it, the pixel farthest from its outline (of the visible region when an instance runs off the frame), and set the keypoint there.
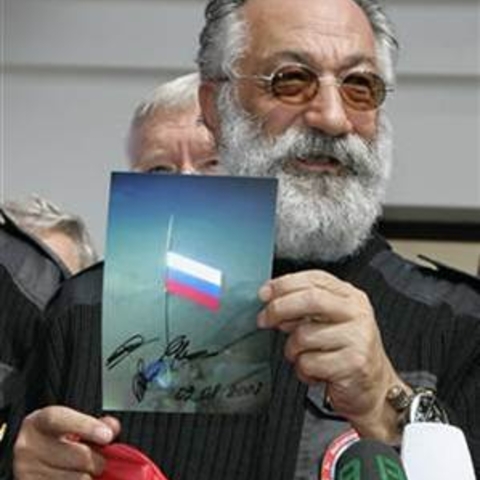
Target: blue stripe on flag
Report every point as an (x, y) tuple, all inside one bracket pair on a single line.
[(194, 282)]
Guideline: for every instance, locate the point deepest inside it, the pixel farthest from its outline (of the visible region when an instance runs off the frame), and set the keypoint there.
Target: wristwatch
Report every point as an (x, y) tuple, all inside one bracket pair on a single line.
[(422, 405), (425, 407)]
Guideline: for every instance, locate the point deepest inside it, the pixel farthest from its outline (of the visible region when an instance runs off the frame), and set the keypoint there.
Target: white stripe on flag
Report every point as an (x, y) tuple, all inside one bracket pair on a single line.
[(192, 267)]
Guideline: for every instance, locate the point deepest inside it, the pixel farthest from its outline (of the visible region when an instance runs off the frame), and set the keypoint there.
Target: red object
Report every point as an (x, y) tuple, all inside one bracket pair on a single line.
[(334, 452), (124, 462)]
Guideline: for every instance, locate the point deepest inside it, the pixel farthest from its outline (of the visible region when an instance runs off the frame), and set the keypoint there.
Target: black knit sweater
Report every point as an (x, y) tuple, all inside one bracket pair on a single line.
[(29, 276), (424, 332)]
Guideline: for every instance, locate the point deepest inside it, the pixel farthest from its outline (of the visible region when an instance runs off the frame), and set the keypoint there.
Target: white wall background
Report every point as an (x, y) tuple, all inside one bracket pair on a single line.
[(73, 70)]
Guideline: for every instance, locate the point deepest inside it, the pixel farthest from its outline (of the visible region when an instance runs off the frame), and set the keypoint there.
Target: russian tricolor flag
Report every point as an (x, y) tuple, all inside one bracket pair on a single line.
[(196, 281)]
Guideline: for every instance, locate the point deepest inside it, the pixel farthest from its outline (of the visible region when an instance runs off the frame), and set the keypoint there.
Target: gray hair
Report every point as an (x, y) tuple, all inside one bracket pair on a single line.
[(223, 38), (176, 96), (37, 216)]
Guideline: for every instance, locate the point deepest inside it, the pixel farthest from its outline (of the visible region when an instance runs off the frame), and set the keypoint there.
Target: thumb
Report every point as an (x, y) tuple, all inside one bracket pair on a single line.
[(112, 423)]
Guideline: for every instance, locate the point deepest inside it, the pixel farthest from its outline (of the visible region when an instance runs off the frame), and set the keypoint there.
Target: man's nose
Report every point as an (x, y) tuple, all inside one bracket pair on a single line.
[(326, 112)]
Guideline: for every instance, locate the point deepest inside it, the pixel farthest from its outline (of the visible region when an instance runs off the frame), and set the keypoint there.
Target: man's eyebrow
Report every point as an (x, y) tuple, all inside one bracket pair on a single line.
[(291, 56), (358, 59), (346, 63), (159, 155)]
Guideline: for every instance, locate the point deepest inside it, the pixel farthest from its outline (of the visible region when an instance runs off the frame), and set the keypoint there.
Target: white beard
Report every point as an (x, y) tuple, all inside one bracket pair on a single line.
[(319, 216)]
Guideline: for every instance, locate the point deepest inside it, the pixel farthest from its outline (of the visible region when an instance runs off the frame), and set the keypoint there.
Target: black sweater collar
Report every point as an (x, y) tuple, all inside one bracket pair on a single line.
[(344, 268)]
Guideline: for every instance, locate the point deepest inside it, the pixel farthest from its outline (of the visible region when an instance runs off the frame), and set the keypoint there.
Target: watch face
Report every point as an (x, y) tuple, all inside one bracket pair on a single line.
[(426, 408)]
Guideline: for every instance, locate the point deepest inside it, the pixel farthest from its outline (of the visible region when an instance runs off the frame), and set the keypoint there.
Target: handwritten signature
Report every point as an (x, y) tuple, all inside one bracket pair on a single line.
[(124, 350), (177, 350), (176, 353)]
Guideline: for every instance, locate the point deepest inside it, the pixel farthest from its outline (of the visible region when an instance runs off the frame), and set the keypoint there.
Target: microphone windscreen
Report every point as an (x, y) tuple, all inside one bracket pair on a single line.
[(436, 450), (369, 460)]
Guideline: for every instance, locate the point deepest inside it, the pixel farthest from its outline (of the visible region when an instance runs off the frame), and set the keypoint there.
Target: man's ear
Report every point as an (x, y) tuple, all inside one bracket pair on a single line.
[(206, 96)]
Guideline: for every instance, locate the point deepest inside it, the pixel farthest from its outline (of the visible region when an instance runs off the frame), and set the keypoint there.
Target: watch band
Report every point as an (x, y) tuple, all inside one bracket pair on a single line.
[(425, 407), (422, 405)]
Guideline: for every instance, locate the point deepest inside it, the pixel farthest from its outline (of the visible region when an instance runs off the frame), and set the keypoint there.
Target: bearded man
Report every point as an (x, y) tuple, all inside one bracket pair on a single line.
[(290, 89)]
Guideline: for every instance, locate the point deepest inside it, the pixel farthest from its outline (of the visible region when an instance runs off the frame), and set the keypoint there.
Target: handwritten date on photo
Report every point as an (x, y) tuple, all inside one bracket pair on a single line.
[(212, 392)]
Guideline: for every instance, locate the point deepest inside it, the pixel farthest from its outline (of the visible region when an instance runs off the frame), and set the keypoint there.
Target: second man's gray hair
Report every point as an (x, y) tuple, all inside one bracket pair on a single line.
[(173, 97), (176, 95)]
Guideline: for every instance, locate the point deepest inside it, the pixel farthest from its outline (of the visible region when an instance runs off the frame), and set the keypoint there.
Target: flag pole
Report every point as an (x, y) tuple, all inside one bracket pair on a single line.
[(168, 246)]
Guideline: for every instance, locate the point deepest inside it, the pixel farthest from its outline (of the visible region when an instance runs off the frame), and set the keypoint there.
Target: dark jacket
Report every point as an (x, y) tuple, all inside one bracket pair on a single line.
[(29, 276), (427, 335)]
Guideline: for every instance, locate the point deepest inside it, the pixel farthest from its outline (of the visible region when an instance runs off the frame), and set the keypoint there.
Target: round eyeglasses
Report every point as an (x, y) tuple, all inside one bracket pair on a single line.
[(297, 84)]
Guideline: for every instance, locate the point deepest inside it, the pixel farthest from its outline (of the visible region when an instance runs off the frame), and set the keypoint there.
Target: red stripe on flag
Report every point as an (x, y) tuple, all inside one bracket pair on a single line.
[(212, 303)]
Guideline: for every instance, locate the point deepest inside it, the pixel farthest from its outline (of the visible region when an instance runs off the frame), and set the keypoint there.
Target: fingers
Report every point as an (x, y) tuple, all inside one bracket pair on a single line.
[(57, 421), (113, 424), (54, 459), (57, 442), (310, 336), (314, 366), (315, 295), (59, 455), (52, 475), (308, 345), (310, 302), (302, 280)]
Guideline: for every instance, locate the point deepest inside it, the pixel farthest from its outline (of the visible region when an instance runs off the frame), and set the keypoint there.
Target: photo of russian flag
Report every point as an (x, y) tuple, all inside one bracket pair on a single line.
[(193, 280)]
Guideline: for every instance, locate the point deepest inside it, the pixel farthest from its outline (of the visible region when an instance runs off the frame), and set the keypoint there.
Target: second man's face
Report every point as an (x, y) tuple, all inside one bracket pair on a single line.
[(174, 143)]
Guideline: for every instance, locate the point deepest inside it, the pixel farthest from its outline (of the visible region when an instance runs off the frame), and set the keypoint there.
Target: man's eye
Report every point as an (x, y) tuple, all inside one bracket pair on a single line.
[(212, 165), (161, 169)]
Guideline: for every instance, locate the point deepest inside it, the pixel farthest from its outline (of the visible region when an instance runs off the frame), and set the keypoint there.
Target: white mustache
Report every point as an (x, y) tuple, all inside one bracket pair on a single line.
[(357, 155)]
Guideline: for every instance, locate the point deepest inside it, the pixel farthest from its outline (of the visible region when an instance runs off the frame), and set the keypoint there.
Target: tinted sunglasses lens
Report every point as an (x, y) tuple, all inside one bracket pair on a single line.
[(363, 91), (294, 84)]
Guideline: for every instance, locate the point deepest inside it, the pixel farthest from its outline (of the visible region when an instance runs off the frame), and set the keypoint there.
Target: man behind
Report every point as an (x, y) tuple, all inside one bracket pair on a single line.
[(166, 134), (64, 234), (40, 246), (292, 90)]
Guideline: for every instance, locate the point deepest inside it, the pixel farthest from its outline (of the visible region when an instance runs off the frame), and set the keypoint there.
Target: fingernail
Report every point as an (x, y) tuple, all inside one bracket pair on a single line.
[(262, 319), (103, 434), (265, 293)]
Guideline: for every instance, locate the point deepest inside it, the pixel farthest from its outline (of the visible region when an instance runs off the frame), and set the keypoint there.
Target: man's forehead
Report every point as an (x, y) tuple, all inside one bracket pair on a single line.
[(329, 9), (295, 22), (160, 124), (163, 129), (173, 118)]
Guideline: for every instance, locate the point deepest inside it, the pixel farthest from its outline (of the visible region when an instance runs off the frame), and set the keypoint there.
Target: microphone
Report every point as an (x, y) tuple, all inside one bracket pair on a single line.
[(370, 460), (436, 450)]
